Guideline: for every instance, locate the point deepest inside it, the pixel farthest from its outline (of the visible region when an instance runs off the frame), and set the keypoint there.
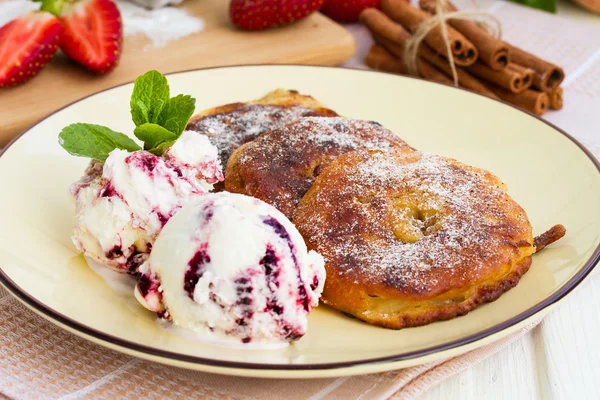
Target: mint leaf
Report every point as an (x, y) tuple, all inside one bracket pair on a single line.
[(175, 116), (150, 95), (152, 135), (93, 141), (162, 147)]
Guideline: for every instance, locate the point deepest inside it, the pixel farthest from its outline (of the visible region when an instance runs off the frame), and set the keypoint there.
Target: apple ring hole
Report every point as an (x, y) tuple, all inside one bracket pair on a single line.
[(410, 221), (315, 169)]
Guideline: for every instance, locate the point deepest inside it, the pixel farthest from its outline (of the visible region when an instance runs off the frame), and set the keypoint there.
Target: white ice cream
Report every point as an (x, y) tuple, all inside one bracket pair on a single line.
[(122, 205), (233, 269)]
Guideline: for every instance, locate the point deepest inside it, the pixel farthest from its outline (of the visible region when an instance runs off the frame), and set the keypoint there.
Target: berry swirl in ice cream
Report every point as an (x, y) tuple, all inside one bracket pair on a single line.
[(122, 205), (232, 268)]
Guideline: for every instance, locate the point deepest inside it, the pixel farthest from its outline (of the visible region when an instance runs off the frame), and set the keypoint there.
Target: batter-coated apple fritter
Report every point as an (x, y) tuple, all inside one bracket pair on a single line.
[(232, 125), (280, 165), (410, 238)]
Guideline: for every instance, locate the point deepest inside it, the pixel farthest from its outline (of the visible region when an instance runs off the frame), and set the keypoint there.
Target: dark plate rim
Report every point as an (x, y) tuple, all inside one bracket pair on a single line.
[(53, 315)]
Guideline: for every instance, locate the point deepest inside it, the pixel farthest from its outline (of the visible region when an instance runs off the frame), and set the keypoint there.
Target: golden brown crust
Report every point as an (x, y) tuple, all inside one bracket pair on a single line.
[(478, 294), (231, 125), (410, 238), (278, 97), (280, 165)]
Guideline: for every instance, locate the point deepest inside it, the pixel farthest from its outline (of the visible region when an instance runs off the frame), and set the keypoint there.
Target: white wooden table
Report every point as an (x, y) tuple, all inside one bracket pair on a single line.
[(559, 359)]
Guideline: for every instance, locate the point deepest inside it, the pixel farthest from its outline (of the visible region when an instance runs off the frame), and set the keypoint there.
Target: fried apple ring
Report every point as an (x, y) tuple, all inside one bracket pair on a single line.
[(231, 125), (280, 165), (411, 238)]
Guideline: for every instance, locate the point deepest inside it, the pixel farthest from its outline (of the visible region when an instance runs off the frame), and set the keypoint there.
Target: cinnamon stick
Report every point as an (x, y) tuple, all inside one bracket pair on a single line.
[(556, 98), (547, 76), (492, 51), (381, 24), (463, 51), (392, 37), (531, 100), (465, 79), (430, 73), (425, 69), (380, 59), (506, 78), (526, 73)]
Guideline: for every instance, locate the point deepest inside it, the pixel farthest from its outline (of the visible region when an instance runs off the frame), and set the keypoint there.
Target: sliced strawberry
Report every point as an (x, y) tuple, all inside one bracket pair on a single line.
[(347, 10), (93, 33), (27, 44), (256, 15)]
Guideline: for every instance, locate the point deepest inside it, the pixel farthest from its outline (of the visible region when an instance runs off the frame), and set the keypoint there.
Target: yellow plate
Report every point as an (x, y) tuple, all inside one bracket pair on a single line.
[(546, 171)]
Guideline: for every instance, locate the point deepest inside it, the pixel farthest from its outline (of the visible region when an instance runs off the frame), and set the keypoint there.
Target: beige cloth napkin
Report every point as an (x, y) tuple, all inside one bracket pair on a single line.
[(41, 361)]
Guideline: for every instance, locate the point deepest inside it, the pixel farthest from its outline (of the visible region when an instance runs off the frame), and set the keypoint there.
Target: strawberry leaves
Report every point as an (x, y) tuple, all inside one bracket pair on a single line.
[(159, 121), (51, 6)]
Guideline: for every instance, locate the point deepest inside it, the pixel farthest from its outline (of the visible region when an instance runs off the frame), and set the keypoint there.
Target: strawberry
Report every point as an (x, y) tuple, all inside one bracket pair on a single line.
[(254, 15), (27, 44), (347, 10), (92, 33)]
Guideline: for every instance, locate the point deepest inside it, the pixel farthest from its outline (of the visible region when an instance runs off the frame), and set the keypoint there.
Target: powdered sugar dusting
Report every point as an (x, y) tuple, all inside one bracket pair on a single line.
[(281, 165), (230, 130), (409, 220), (321, 135), (344, 132)]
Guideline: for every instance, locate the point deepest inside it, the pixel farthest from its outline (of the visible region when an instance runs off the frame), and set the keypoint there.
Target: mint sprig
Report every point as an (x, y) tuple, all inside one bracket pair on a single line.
[(152, 109), (159, 120)]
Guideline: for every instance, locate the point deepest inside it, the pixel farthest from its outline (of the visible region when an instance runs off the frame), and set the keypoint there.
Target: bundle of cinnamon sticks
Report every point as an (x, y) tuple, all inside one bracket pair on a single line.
[(484, 63)]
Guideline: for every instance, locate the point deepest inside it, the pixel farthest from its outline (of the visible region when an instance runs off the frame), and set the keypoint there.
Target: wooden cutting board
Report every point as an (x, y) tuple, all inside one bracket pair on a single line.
[(315, 40)]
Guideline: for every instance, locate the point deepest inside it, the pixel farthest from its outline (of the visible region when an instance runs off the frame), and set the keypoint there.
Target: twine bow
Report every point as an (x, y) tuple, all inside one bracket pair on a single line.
[(411, 51)]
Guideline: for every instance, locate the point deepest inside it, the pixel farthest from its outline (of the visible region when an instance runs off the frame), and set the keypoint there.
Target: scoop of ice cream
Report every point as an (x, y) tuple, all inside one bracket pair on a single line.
[(122, 205), (233, 269)]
